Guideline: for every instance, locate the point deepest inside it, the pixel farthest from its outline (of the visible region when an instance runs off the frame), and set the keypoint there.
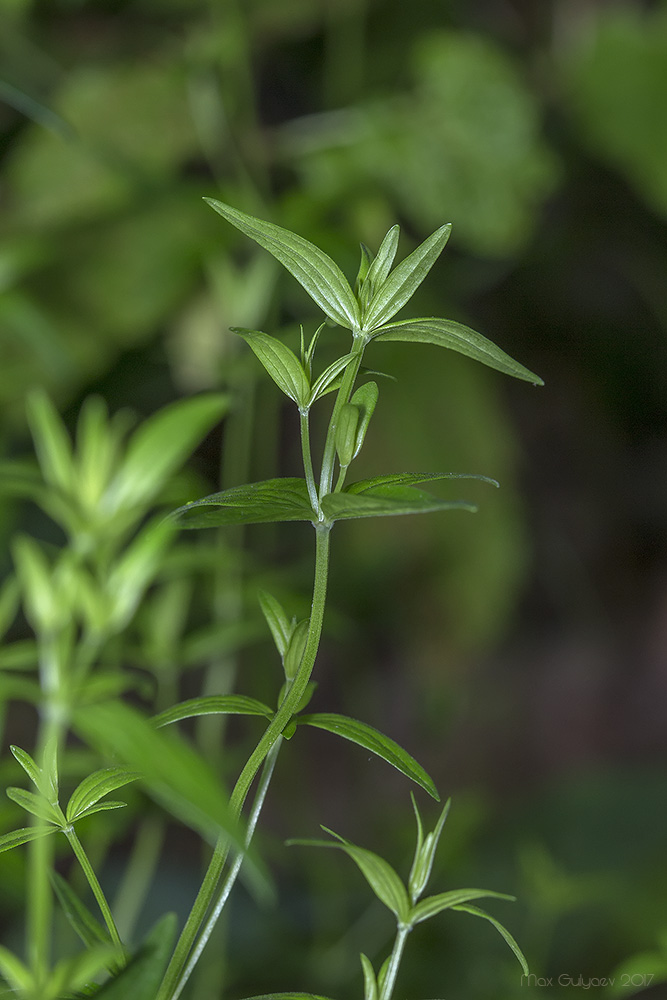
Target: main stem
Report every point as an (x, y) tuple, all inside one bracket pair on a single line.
[(394, 961), (290, 704)]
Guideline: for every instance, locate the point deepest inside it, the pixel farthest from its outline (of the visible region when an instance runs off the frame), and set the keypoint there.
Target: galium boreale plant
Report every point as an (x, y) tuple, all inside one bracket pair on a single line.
[(321, 497)]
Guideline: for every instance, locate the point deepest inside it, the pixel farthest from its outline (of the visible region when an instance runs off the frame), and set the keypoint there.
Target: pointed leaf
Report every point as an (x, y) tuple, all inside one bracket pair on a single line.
[(346, 433), (365, 398), (403, 282), (372, 739), (504, 933), (411, 479), (288, 996), (214, 704), (370, 982), (81, 919), (28, 765), (313, 269), (15, 973), (141, 977), (382, 501), (278, 622), (52, 442), (95, 787), (254, 503), (173, 773), (328, 379), (35, 804), (364, 266), (381, 266), (74, 974), (456, 337), (425, 854), (280, 362), (107, 806), (27, 833), (10, 598), (446, 900), (379, 874), (159, 447)]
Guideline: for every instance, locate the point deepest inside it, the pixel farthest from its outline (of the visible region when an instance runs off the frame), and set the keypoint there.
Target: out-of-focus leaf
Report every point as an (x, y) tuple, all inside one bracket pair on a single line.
[(52, 443), (254, 503), (141, 977), (371, 739), (316, 271), (15, 972), (213, 704), (79, 916), (134, 571), (456, 337), (160, 446), (71, 975)]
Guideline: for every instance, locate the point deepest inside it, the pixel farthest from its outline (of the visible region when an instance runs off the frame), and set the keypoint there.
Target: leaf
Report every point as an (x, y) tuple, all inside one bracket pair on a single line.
[(328, 379), (280, 362), (79, 916), (425, 853), (135, 569), (141, 977), (432, 905), (28, 765), (346, 433), (74, 974), (381, 265), (254, 503), (403, 282), (15, 973), (10, 596), (96, 786), (380, 501), (278, 622), (410, 479), (364, 267), (371, 739), (174, 774), (370, 982), (313, 269), (35, 804), (365, 398), (456, 337), (107, 806), (52, 442), (17, 837), (287, 996), (379, 874), (215, 704), (504, 933), (159, 447)]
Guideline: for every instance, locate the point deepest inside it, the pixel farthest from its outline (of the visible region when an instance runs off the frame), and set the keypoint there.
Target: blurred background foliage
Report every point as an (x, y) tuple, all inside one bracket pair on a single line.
[(521, 653)]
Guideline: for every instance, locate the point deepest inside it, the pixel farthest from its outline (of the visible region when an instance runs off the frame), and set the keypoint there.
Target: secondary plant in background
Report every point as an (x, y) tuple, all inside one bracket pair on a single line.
[(321, 497)]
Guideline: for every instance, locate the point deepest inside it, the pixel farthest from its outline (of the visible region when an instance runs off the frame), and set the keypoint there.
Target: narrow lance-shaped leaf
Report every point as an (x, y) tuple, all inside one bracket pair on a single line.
[(280, 362), (425, 853), (35, 804), (456, 337), (279, 624), (52, 442), (364, 266), (370, 982), (381, 266), (313, 269), (504, 933), (79, 916), (28, 764), (254, 503), (372, 739), (410, 479), (432, 905), (95, 786), (213, 704), (23, 836), (379, 874), (387, 501), (365, 398), (404, 281)]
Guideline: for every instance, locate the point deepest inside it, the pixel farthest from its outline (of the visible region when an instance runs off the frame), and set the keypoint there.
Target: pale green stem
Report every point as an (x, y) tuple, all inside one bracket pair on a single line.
[(308, 461), (395, 961), (94, 884), (344, 393), (232, 875), (285, 711)]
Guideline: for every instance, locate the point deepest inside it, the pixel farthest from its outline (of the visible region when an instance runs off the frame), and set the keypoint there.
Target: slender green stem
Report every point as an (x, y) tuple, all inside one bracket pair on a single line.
[(344, 393), (287, 708), (94, 884), (395, 961), (232, 875), (304, 423)]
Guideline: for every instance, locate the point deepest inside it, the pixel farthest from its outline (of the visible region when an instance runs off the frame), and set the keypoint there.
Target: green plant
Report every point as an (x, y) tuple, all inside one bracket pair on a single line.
[(81, 600)]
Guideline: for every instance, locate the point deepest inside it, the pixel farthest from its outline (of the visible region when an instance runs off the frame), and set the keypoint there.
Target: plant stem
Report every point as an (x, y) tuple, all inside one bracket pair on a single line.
[(94, 884), (304, 424), (394, 961), (232, 875), (173, 977)]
